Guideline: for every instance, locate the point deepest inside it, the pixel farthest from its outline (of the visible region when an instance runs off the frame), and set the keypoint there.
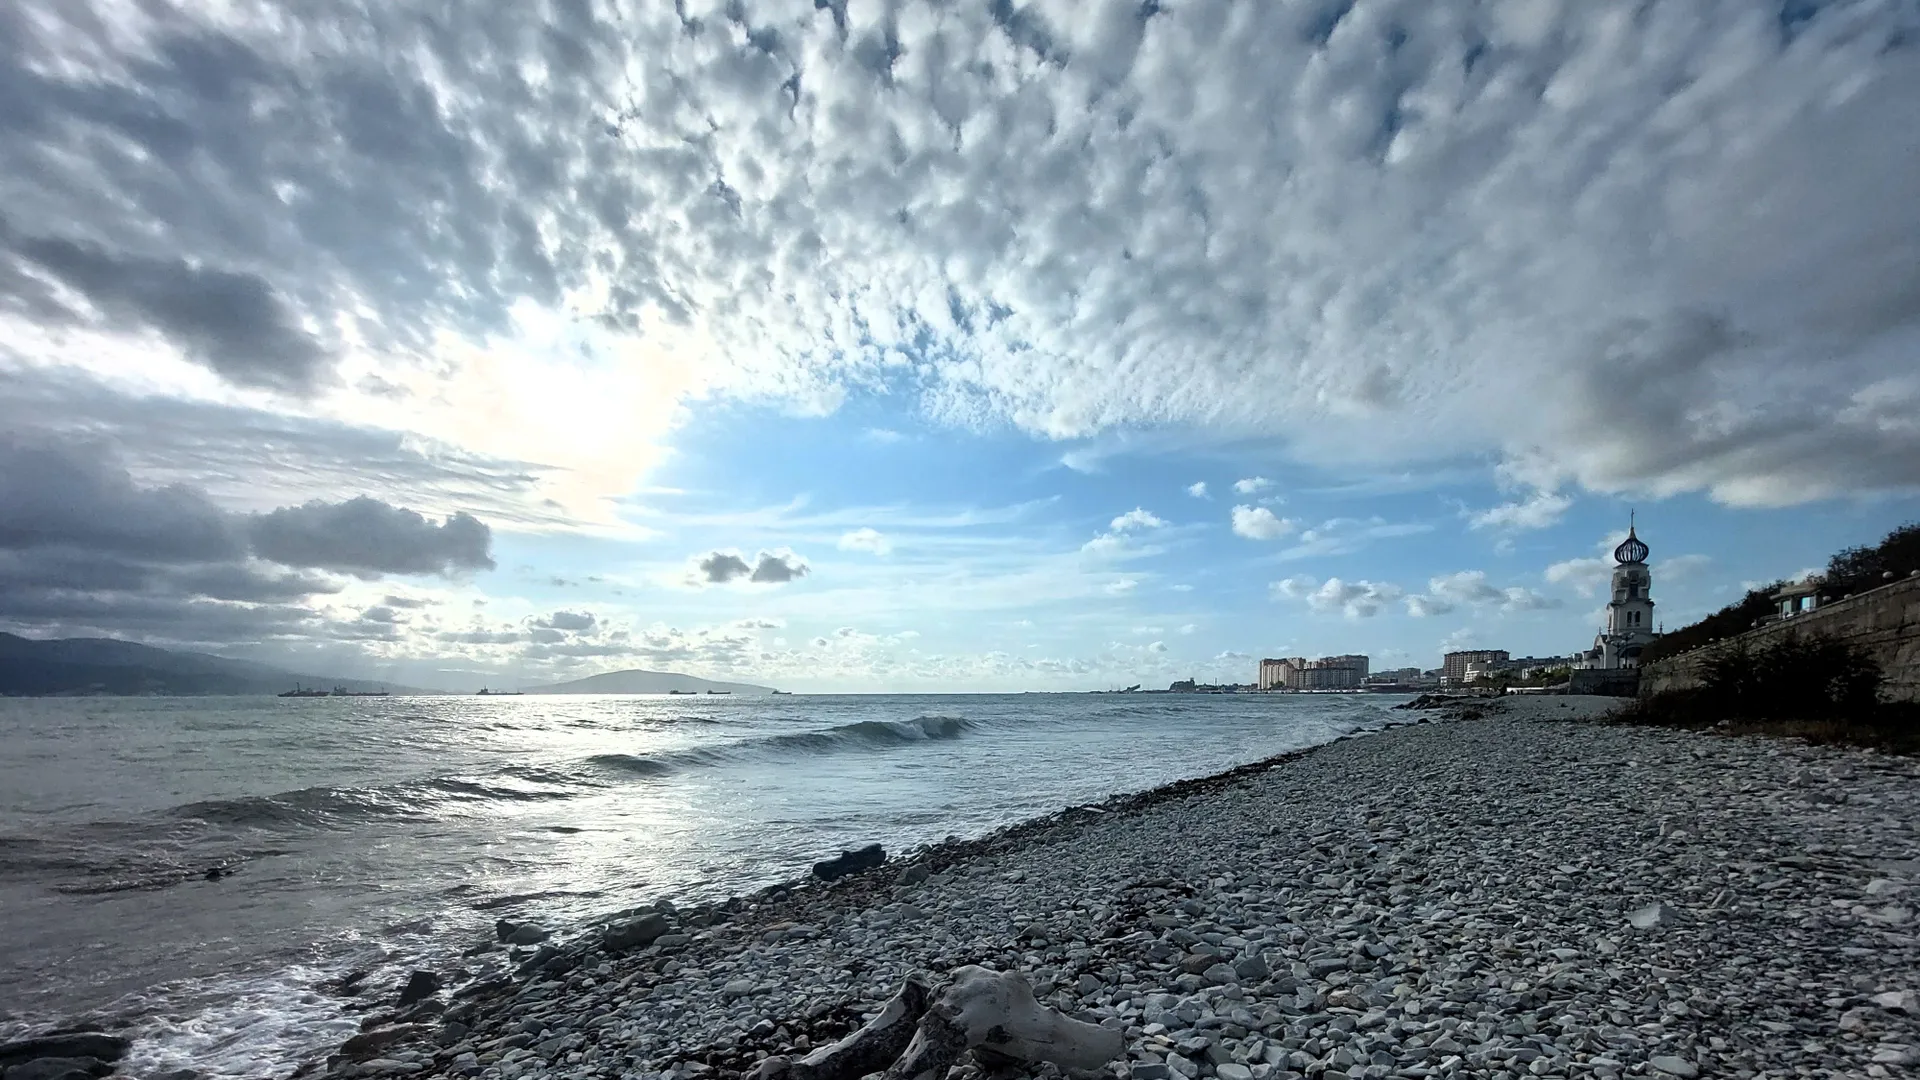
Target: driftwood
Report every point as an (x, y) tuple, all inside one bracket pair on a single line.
[(919, 1035)]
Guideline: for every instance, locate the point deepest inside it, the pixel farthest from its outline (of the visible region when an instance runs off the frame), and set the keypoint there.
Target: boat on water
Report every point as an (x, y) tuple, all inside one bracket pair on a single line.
[(300, 691), (679, 692), (484, 692), (783, 693), (719, 691)]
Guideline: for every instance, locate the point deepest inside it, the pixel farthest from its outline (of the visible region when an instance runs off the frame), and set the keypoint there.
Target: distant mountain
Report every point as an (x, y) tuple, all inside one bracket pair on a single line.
[(76, 666), (646, 682)]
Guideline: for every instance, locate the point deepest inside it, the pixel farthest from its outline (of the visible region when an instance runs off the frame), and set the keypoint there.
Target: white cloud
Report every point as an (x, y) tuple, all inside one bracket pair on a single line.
[(866, 539), (1136, 518), (1355, 599), (1197, 489), (1679, 568), (1251, 485), (1470, 588), (1122, 586), (1188, 629), (1259, 523), (1501, 220), (1537, 511), (1584, 576)]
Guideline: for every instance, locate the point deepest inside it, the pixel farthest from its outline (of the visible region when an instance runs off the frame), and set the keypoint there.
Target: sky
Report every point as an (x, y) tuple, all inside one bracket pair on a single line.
[(860, 346)]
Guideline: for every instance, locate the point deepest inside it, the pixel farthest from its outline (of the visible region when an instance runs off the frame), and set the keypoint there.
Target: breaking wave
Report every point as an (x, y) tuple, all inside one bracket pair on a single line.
[(434, 798)]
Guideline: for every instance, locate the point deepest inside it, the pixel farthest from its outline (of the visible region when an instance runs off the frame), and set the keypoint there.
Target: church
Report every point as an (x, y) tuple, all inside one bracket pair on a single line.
[(1629, 626)]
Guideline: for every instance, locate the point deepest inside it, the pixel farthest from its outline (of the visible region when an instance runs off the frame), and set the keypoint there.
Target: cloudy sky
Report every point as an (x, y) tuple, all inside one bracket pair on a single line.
[(839, 344)]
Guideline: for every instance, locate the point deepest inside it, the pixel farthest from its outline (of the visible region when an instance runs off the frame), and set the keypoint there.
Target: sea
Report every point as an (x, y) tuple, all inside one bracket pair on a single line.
[(392, 832)]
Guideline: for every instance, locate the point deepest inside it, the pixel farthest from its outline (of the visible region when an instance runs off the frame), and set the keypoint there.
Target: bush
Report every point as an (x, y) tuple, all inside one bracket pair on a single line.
[(1811, 686)]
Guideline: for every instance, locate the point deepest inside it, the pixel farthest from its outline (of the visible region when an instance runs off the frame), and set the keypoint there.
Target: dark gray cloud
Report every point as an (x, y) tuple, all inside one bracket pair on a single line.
[(234, 323), (368, 538), (570, 621), (721, 567), (769, 568), (778, 569), (75, 497), (87, 549), (219, 448)]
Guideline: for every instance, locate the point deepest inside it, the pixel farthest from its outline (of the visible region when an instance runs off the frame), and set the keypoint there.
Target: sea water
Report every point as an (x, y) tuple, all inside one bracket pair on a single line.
[(348, 832)]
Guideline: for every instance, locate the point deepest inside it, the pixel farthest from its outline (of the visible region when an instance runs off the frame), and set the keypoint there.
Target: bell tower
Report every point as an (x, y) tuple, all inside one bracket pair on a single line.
[(1630, 610)]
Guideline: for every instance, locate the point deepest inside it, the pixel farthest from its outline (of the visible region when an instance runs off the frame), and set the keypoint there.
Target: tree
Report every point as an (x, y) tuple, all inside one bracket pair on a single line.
[(1857, 569)]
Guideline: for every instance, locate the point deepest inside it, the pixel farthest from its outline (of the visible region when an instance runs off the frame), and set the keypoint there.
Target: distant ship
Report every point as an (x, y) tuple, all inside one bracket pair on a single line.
[(783, 693), (484, 692), (679, 691), (297, 691), (719, 691)]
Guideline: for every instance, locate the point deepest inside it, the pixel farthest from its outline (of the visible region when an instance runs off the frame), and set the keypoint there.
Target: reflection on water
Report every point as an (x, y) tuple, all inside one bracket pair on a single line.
[(331, 819)]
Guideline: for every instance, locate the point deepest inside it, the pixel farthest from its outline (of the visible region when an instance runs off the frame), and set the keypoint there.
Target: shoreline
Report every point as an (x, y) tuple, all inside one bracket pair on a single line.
[(1459, 897), (1325, 884)]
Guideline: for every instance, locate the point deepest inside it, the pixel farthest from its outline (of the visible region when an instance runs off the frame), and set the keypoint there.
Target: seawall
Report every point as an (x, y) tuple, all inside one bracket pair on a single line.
[(1884, 621)]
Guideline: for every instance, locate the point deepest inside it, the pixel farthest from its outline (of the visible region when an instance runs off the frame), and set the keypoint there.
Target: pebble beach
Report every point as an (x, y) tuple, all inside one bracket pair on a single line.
[(1498, 888)]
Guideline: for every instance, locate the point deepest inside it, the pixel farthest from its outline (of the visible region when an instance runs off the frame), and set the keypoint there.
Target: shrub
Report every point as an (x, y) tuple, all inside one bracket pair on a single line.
[(1812, 686)]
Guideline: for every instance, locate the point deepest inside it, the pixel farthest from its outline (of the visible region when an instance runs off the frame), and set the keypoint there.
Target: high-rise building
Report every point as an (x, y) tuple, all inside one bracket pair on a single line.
[(1326, 673), (1454, 665)]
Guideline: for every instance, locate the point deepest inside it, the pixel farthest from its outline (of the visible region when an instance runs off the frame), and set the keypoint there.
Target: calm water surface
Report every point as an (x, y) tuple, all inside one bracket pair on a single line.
[(395, 830)]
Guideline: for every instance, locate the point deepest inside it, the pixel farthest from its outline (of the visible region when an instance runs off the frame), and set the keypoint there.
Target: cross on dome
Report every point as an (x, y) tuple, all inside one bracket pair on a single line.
[(1632, 550)]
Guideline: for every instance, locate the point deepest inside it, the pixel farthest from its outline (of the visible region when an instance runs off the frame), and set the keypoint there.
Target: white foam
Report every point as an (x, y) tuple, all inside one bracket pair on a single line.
[(241, 1028)]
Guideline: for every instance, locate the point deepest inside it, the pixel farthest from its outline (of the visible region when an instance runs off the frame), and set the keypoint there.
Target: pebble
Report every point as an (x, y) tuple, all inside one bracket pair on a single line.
[(1429, 902)]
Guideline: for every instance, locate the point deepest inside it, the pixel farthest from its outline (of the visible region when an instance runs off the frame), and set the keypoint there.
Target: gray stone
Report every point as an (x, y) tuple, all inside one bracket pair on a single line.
[(635, 933), (1219, 975), (1675, 1066), (421, 985), (60, 1068), (1233, 1072), (1252, 968), (1326, 966), (1653, 915), (1905, 1001)]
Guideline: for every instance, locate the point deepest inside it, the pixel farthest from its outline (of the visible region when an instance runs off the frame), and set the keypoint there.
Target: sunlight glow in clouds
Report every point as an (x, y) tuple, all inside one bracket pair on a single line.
[(508, 259)]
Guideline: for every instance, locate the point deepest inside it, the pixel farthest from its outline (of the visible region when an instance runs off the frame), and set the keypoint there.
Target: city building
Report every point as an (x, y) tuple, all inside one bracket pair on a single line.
[(1277, 674), (1629, 628), (1327, 673), (1454, 665)]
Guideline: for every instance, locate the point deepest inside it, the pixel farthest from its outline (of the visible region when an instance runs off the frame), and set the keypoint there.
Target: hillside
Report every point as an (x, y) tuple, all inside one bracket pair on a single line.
[(77, 666), (634, 681)]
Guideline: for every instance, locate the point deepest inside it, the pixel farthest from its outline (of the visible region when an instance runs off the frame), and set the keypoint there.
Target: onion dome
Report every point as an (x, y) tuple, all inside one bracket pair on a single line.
[(1631, 550)]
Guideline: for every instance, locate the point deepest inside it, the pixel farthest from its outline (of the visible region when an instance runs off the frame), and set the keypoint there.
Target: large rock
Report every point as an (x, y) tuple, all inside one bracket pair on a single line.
[(850, 862), (513, 933), (60, 1068), (635, 933), (421, 985), (74, 1044), (372, 1044)]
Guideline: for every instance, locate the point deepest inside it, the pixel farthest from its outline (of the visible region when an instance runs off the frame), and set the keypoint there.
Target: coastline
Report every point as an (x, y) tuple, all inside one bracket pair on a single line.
[(1459, 897), (1380, 903)]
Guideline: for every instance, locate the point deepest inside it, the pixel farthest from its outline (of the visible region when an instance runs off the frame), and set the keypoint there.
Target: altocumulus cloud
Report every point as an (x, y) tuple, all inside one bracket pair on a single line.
[(1026, 200)]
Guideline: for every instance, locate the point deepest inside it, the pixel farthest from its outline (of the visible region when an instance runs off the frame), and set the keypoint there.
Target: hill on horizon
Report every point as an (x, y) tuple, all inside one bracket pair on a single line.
[(635, 681), (58, 667)]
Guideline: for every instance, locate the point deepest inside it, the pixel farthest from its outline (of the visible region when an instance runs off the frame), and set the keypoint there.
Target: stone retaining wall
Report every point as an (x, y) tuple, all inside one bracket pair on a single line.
[(1884, 621)]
